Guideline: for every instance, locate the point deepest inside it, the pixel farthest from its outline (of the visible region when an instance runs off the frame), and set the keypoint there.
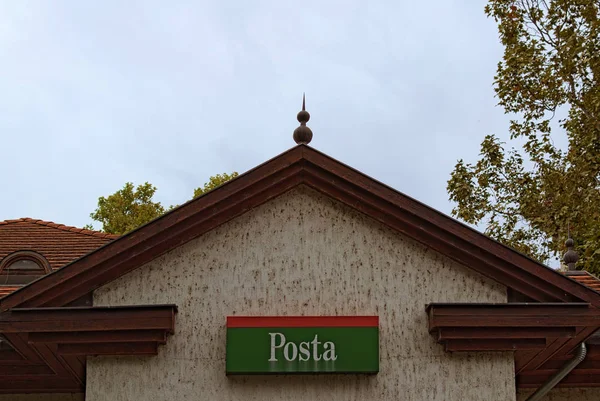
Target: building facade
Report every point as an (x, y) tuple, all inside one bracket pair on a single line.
[(461, 317)]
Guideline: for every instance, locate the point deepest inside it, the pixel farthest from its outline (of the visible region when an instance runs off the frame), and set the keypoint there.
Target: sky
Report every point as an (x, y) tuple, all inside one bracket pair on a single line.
[(97, 94)]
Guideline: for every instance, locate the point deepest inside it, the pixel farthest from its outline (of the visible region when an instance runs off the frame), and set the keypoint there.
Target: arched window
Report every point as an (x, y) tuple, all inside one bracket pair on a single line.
[(22, 267)]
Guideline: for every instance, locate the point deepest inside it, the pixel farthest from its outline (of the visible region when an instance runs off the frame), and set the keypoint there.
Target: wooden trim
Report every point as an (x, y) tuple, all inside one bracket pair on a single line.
[(489, 333), (301, 165), (577, 378), (48, 354), (555, 364), (36, 384), (19, 343), (88, 319), (543, 336), (85, 300), (75, 366), (53, 342), (24, 371), (447, 224), (471, 345), (559, 346), (150, 241), (463, 251), (12, 357), (512, 315), (94, 349), (81, 337)]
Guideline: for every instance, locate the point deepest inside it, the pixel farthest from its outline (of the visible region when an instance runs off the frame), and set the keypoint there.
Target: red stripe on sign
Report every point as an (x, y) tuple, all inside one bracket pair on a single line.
[(302, 321)]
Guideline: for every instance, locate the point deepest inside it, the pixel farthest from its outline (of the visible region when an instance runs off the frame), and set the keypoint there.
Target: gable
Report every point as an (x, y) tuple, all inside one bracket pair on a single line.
[(302, 165), (301, 253), (305, 241)]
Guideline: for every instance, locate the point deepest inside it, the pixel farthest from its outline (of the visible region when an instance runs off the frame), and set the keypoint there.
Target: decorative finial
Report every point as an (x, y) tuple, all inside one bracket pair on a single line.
[(571, 257), (303, 134)]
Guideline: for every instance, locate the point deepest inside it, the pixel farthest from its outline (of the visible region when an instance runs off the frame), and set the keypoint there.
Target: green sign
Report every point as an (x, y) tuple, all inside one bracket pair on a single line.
[(280, 345)]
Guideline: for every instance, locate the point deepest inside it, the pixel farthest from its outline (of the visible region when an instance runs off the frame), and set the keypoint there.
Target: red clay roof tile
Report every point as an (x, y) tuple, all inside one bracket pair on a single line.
[(586, 279), (7, 289), (58, 243)]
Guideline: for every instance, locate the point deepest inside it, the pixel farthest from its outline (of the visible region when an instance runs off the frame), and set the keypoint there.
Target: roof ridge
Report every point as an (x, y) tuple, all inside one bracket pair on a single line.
[(62, 227), (303, 165)]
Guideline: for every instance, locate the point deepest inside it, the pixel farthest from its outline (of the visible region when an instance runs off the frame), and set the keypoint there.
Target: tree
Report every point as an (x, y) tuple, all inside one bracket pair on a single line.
[(127, 209), (527, 196), (214, 182), (130, 207)]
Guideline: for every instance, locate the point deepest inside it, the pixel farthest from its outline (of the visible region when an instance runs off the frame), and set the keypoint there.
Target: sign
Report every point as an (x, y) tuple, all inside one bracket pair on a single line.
[(280, 345)]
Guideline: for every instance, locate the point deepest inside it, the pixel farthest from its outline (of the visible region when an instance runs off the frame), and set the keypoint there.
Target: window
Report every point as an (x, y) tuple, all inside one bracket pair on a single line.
[(23, 264), (22, 267)]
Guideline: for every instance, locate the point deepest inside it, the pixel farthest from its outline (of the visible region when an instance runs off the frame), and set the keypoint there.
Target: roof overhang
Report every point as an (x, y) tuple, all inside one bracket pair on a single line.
[(302, 165), (543, 336), (50, 345)]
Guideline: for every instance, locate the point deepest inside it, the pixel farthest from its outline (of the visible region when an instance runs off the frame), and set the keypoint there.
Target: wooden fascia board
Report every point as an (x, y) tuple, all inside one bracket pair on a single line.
[(161, 235), (39, 384), (551, 328), (458, 230), (577, 378), (464, 252), (301, 165), (96, 276), (538, 332), (100, 319), (57, 364), (60, 339), (112, 349), (512, 315), (490, 333), (560, 346), (495, 345), (20, 345), (25, 371), (12, 357), (85, 337)]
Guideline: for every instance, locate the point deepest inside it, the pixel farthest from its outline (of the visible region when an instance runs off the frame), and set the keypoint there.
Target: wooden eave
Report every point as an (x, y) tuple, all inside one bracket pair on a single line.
[(50, 345), (301, 165), (542, 335)]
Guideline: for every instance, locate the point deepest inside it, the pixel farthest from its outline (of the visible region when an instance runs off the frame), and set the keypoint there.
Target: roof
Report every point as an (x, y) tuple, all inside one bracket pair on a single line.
[(543, 336), (302, 165), (7, 289), (57, 243), (49, 346), (542, 286), (585, 278)]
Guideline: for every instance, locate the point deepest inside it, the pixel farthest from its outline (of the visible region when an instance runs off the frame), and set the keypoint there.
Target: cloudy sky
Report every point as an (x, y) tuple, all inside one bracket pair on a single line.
[(95, 94)]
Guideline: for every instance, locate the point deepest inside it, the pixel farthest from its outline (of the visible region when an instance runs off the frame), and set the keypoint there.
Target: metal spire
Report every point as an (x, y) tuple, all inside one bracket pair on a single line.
[(303, 134)]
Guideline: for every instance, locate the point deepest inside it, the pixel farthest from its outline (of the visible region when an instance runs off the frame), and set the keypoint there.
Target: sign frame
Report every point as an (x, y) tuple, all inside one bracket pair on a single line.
[(302, 345)]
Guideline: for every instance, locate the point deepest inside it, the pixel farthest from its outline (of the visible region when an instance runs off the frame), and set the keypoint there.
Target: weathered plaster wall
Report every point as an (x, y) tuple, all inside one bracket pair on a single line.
[(42, 397), (301, 254), (565, 394)]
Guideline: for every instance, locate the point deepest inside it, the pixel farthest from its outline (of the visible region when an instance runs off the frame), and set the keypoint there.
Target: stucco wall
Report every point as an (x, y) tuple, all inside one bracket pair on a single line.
[(565, 394), (301, 254), (42, 397)]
